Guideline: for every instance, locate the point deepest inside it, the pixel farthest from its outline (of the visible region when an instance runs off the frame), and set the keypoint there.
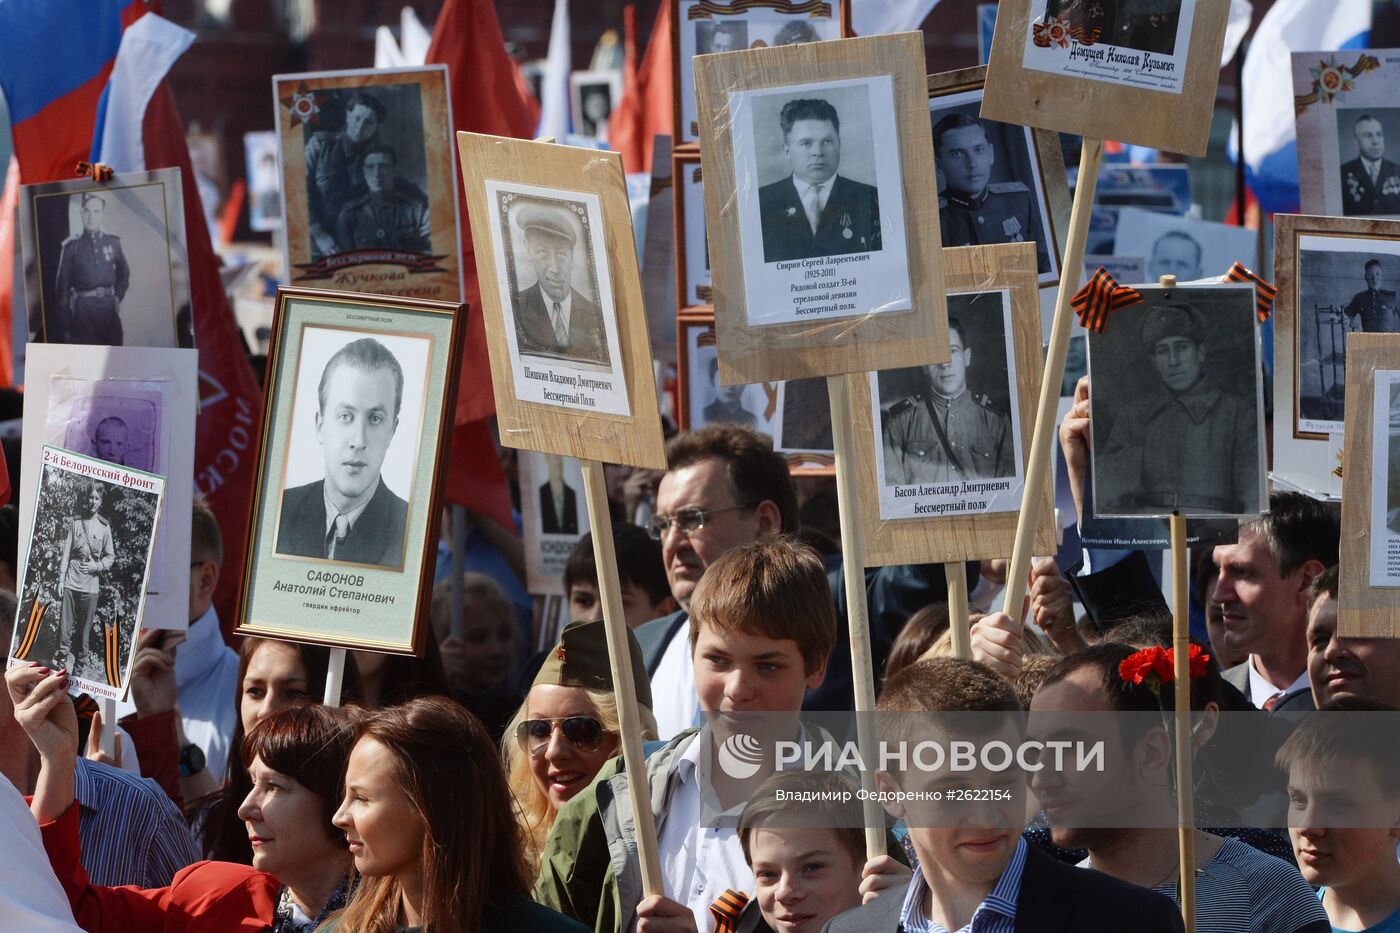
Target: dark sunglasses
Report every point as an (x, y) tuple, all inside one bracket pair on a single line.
[(583, 732)]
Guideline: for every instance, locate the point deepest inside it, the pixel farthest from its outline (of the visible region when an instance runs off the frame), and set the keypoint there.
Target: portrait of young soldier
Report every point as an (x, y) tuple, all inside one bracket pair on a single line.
[(973, 209), (815, 210), (93, 278), (1370, 181), (726, 402), (552, 317), (1187, 443), (947, 433), (383, 217), (350, 514), (1373, 310)]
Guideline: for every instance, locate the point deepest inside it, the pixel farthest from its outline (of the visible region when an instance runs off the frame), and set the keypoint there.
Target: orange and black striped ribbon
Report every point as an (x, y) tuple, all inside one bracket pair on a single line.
[(97, 171), (114, 668), (31, 628), (727, 909), (1264, 290), (85, 706), (1100, 297), (706, 9)]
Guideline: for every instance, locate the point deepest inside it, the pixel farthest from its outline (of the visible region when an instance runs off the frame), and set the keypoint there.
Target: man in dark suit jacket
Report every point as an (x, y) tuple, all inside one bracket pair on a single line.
[(351, 515), (552, 318), (814, 211), (1370, 182), (558, 521)]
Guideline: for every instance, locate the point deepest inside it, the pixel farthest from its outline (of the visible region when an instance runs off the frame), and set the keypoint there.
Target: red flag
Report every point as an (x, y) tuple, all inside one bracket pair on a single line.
[(645, 108), (230, 406), (486, 98), (9, 245)]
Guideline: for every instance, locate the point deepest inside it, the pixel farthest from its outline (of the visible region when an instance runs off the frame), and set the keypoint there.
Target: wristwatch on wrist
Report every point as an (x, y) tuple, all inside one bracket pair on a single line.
[(191, 760)]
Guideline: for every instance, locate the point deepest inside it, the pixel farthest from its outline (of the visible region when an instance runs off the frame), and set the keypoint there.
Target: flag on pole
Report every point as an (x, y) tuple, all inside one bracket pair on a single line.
[(1241, 15), (387, 53), (1270, 140), (647, 93), (414, 39), (554, 103), (9, 261)]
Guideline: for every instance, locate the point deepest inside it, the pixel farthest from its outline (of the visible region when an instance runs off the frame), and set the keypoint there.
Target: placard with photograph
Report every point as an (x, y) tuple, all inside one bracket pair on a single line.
[(659, 255), (1178, 405), (1138, 71), (554, 516), (692, 243), (997, 183), (82, 583), (1385, 495), (264, 181), (566, 324), (368, 188), (595, 95), (703, 27), (1187, 249), (1346, 110), (825, 249), (343, 533), (940, 449), (127, 406), (105, 262)]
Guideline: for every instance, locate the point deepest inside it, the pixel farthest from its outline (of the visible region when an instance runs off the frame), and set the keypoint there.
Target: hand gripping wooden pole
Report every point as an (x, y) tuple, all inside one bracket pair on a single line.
[(624, 689), (1039, 458), (839, 388), (1181, 643), (959, 625)]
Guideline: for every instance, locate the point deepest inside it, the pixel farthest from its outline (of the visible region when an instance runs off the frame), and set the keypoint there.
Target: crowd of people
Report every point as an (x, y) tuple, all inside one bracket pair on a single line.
[(480, 786)]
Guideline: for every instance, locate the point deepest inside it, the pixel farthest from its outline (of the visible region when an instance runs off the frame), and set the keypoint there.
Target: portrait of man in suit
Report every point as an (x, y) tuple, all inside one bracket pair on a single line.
[(558, 500), (1370, 182), (816, 211), (350, 514), (553, 318)]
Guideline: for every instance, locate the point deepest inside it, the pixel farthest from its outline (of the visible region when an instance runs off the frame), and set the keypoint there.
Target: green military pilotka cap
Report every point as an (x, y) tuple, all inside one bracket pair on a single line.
[(581, 660), (1173, 320)]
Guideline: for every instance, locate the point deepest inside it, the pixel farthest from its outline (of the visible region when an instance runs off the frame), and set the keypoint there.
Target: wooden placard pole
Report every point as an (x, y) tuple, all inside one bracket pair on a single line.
[(335, 676), (959, 624), (1181, 641), (109, 728), (839, 389), (1039, 458), (624, 689)]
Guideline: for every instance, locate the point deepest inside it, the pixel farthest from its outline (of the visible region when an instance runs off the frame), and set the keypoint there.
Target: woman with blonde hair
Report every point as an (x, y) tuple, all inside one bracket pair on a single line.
[(567, 729)]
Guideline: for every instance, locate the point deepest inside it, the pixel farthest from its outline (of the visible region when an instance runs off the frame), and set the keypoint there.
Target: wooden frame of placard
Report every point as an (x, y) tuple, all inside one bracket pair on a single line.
[(680, 138), (950, 538), (1102, 109), (798, 350), (1363, 611), (683, 164), (634, 439), (1046, 151)]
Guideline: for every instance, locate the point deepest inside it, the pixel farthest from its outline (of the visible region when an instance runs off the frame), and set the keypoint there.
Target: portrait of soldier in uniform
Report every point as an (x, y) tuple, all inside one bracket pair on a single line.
[(972, 209), (552, 317), (558, 500), (815, 211), (384, 217), (1187, 444), (93, 278), (947, 432), (84, 557), (726, 402), (350, 514), (1146, 25), (1373, 310), (1370, 181)]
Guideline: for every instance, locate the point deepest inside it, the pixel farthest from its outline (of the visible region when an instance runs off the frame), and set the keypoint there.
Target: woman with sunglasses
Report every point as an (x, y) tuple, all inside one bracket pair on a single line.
[(427, 816), (567, 728), (300, 872)]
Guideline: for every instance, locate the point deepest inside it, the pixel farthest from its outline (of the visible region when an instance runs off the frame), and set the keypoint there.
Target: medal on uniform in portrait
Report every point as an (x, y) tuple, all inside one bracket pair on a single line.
[(846, 226), (1012, 228)]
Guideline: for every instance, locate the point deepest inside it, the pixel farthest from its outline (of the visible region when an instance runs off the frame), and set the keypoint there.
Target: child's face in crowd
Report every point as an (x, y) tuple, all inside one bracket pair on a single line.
[(1319, 801), (736, 672), (803, 877), (489, 642), (275, 680), (384, 831), (563, 769), (285, 823), (637, 607)]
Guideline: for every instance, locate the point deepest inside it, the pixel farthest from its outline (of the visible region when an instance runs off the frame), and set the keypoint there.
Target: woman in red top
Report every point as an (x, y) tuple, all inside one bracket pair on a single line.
[(296, 758)]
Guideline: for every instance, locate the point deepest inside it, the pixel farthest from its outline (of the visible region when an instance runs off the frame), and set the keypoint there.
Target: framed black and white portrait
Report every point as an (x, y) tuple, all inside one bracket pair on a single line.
[(1140, 43), (950, 435), (105, 262), (704, 27), (693, 280), (554, 516), (561, 316), (368, 186), (264, 181), (344, 518), (594, 94), (1188, 249), (1177, 409)]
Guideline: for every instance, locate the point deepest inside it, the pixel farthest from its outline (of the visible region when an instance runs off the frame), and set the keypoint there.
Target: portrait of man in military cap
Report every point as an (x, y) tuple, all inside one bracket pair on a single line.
[(93, 278), (384, 217), (1176, 407)]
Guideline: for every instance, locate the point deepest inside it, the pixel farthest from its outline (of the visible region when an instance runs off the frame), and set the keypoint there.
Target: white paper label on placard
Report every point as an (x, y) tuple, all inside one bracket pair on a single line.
[(557, 297), (1385, 480), (949, 435), (1143, 44), (821, 201)]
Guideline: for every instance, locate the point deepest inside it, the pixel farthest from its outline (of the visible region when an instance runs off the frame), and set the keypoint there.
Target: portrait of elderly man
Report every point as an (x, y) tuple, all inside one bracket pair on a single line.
[(552, 317), (351, 515), (947, 433), (1185, 445), (816, 211), (383, 217), (1177, 253), (93, 278), (1370, 182)]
